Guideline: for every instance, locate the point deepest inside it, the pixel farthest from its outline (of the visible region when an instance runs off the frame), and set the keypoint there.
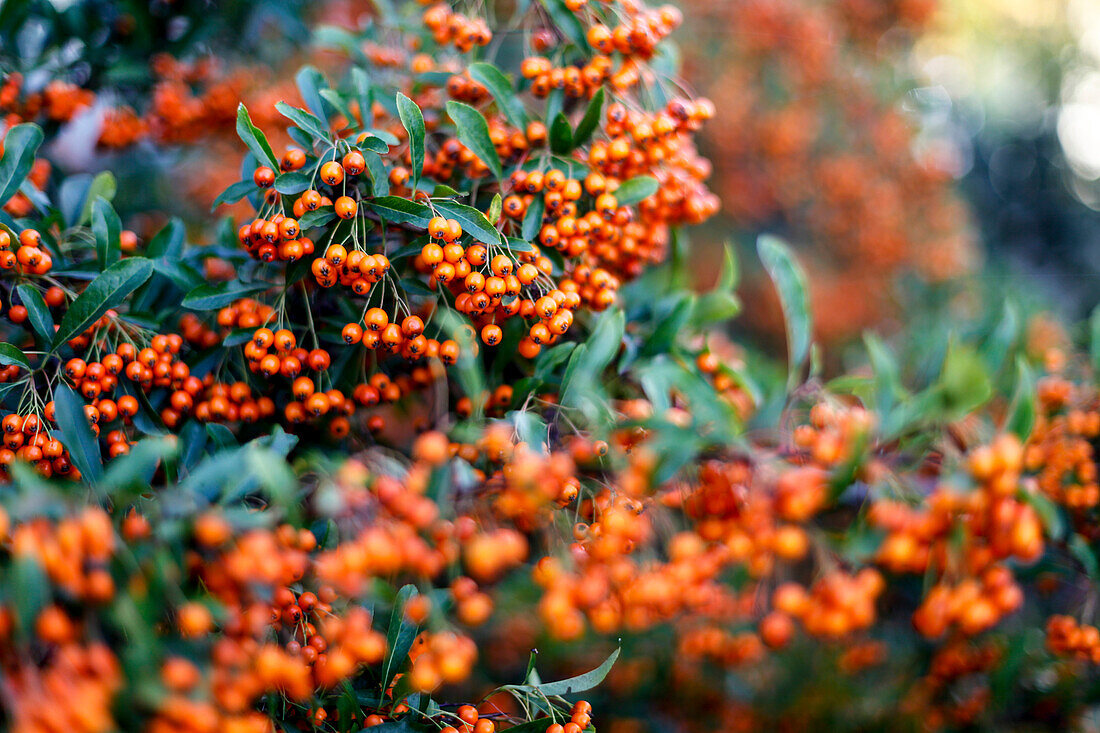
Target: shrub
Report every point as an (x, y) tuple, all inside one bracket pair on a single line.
[(442, 418)]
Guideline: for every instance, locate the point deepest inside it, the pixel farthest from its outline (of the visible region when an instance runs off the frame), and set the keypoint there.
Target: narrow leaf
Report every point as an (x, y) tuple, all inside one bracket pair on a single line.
[(78, 436), (504, 93), (413, 120), (105, 292), (254, 139), (790, 282), (37, 312), (20, 146), (473, 132), (636, 189)]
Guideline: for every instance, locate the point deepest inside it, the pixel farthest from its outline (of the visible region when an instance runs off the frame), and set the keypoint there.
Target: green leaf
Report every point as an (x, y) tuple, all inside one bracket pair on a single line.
[(532, 219), (494, 210), (508, 101), (790, 282), (103, 185), (310, 82), (107, 230), (1048, 512), (561, 135), (37, 312), (317, 218), (964, 384), (107, 291), (887, 377), (380, 180), (212, 296), (413, 120), (254, 139), (519, 246), (591, 119), (304, 121), (20, 146), (566, 21), (1094, 338), (473, 221), (168, 242), (636, 189), (400, 635), (1084, 554), (29, 577), (234, 193), (401, 210), (670, 326), (361, 82), (1021, 413), (333, 98), (582, 682), (292, 182), (10, 354), (473, 132), (81, 442)]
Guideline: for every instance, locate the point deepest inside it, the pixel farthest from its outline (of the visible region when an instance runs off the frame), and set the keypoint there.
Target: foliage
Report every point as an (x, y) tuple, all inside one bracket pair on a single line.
[(441, 419)]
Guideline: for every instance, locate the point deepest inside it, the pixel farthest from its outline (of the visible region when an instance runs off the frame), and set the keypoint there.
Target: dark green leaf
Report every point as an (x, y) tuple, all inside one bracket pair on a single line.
[(566, 21), (473, 221), (105, 292), (790, 282), (401, 210), (37, 312), (254, 139), (561, 135), (28, 576), (532, 219), (400, 635), (20, 146), (508, 101), (168, 242), (380, 180), (234, 193), (107, 229), (591, 119), (310, 82), (81, 442), (317, 218), (1021, 413), (303, 120), (292, 182), (213, 296), (580, 683), (413, 120), (10, 354), (473, 132), (1085, 555)]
